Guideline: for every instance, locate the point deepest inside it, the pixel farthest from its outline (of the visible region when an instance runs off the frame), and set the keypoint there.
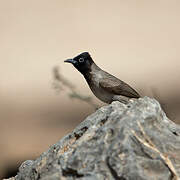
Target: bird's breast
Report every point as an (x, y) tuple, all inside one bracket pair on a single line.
[(99, 92)]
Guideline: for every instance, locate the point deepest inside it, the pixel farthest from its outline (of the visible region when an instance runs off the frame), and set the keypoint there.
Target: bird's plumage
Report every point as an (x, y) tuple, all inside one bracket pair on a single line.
[(105, 86), (118, 87)]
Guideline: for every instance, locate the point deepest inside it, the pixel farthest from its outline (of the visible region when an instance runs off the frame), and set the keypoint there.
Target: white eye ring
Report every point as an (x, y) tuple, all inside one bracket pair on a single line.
[(81, 60)]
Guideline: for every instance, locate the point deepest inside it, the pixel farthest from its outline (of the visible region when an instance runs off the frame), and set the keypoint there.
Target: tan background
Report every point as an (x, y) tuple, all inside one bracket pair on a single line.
[(138, 41)]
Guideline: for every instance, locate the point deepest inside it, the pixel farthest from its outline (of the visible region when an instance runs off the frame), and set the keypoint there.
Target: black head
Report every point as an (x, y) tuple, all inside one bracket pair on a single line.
[(82, 62)]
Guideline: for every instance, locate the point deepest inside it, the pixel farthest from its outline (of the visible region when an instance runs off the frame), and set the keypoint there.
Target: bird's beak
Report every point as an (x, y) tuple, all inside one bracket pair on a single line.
[(70, 61)]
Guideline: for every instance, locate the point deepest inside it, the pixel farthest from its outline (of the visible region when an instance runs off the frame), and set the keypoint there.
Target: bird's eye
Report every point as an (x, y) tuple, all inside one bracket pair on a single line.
[(81, 60)]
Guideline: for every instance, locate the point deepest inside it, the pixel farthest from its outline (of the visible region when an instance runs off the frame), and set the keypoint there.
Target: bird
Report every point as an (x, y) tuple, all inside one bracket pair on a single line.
[(104, 86)]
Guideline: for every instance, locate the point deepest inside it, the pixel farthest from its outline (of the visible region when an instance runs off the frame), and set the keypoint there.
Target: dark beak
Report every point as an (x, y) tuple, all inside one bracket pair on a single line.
[(70, 61)]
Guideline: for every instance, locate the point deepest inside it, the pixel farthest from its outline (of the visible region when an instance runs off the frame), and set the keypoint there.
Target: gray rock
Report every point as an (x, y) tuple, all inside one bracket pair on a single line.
[(124, 142)]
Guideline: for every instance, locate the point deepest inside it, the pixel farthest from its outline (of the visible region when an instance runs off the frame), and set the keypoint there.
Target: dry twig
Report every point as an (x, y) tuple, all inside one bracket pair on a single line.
[(60, 82)]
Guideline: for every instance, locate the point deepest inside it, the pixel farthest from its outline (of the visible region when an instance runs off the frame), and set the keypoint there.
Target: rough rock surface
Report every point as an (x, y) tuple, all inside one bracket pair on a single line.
[(135, 141)]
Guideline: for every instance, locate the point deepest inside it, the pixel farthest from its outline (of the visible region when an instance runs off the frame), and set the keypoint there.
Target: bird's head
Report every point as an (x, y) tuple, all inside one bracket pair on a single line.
[(82, 62)]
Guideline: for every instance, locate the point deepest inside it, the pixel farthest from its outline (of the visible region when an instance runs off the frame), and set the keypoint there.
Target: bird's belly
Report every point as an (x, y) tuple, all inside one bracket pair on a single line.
[(98, 91), (102, 94)]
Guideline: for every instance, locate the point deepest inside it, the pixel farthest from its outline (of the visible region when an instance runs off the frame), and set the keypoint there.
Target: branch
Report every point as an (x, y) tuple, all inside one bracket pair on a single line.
[(60, 82)]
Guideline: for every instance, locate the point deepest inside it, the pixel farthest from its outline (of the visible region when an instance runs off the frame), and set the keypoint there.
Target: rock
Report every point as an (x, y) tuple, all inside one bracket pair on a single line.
[(124, 142)]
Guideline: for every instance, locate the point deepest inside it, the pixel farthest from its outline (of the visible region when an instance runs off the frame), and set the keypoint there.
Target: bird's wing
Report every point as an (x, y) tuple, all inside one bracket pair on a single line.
[(118, 87)]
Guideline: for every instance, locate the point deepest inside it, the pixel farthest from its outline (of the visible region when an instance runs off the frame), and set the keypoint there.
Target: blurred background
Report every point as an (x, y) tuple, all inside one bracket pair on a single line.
[(137, 41)]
